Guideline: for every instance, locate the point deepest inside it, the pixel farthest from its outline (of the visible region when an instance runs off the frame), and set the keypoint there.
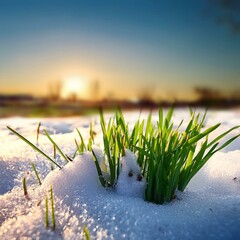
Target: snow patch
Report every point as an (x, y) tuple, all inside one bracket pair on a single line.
[(209, 208), (130, 182), (80, 174)]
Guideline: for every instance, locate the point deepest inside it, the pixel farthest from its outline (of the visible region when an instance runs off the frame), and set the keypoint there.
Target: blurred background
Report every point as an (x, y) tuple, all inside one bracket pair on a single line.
[(74, 56)]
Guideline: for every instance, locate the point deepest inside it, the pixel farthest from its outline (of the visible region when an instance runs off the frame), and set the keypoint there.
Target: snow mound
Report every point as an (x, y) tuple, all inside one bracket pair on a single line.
[(130, 182), (80, 174)]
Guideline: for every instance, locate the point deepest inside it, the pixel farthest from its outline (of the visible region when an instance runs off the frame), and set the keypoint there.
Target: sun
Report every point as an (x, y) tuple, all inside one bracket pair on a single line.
[(74, 87)]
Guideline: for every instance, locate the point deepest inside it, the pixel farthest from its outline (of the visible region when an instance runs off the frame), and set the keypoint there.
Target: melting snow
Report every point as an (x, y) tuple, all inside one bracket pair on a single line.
[(209, 208)]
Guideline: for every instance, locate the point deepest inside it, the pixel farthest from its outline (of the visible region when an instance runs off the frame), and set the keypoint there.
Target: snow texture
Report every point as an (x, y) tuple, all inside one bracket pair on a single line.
[(208, 209)]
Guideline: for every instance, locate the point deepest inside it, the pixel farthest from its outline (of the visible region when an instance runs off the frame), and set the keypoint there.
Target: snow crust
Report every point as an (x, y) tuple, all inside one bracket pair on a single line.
[(208, 209)]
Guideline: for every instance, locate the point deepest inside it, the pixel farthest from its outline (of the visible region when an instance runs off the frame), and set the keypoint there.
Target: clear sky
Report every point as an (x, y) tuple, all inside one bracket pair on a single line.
[(166, 47)]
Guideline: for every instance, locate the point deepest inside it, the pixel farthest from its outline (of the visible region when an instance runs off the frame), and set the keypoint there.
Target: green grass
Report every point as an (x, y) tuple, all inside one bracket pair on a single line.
[(36, 173), (86, 232), (38, 132), (46, 212), (80, 147), (56, 147), (113, 140), (25, 192), (34, 147), (168, 158), (53, 219), (53, 209)]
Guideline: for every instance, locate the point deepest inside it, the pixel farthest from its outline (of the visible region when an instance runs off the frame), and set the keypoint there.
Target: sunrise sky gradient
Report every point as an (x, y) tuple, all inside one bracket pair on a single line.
[(166, 47)]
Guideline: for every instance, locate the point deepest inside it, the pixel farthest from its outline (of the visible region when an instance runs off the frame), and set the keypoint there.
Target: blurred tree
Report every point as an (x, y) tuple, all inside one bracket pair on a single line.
[(54, 89), (95, 89), (208, 93), (146, 96)]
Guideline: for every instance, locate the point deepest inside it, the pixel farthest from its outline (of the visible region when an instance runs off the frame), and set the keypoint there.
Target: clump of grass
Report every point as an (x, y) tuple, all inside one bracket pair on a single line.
[(168, 158), (172, 157)]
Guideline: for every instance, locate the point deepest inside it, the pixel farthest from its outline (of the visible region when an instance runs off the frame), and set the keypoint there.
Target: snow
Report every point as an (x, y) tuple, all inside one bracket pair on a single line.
[(78, 174), (209, 208), (130, 182)]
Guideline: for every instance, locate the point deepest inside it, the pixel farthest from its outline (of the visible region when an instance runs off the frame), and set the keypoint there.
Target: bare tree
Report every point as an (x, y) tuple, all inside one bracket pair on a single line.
[(55, 89)]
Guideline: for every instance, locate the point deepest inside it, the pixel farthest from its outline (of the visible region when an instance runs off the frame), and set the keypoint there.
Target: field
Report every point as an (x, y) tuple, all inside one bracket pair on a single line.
[(209, 208)]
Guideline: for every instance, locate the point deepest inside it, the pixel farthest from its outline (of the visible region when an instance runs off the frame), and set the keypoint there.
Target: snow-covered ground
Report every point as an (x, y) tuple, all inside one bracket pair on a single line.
[(208, 209)]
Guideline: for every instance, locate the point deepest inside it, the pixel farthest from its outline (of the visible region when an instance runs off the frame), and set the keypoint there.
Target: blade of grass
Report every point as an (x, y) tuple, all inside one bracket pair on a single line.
[(69, 158), (86, 232), (56, 146), (160, 118), (34, 146), (38, 132), (46, 213), (53, 209), (100, 175), (222, 135), (169, 116), (227, 143), (25, 192), (203, 134), (77, 149), (36, 173), (82, 141)]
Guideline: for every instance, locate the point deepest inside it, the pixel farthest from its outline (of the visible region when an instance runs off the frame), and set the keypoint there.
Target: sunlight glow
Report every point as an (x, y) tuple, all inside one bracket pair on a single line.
[(74, 87)]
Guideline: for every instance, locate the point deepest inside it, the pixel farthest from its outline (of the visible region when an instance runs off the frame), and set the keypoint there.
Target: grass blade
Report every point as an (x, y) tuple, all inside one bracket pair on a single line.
[(169, 117), (56, 146), (53, 209), (100, 175), (83, 146), (34, 146), (38, 132), (227, 143), (86, 232), (46, 213), (36, 173), (222, 135), (25, 192), (203, 134)]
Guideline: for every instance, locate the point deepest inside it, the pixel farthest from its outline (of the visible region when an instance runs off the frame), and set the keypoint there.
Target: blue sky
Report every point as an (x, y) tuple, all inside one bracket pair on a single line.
[(166, 47)]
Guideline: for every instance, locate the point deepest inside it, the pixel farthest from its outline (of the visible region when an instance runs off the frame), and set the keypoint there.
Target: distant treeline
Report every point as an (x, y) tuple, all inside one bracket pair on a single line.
[(28, 105)]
